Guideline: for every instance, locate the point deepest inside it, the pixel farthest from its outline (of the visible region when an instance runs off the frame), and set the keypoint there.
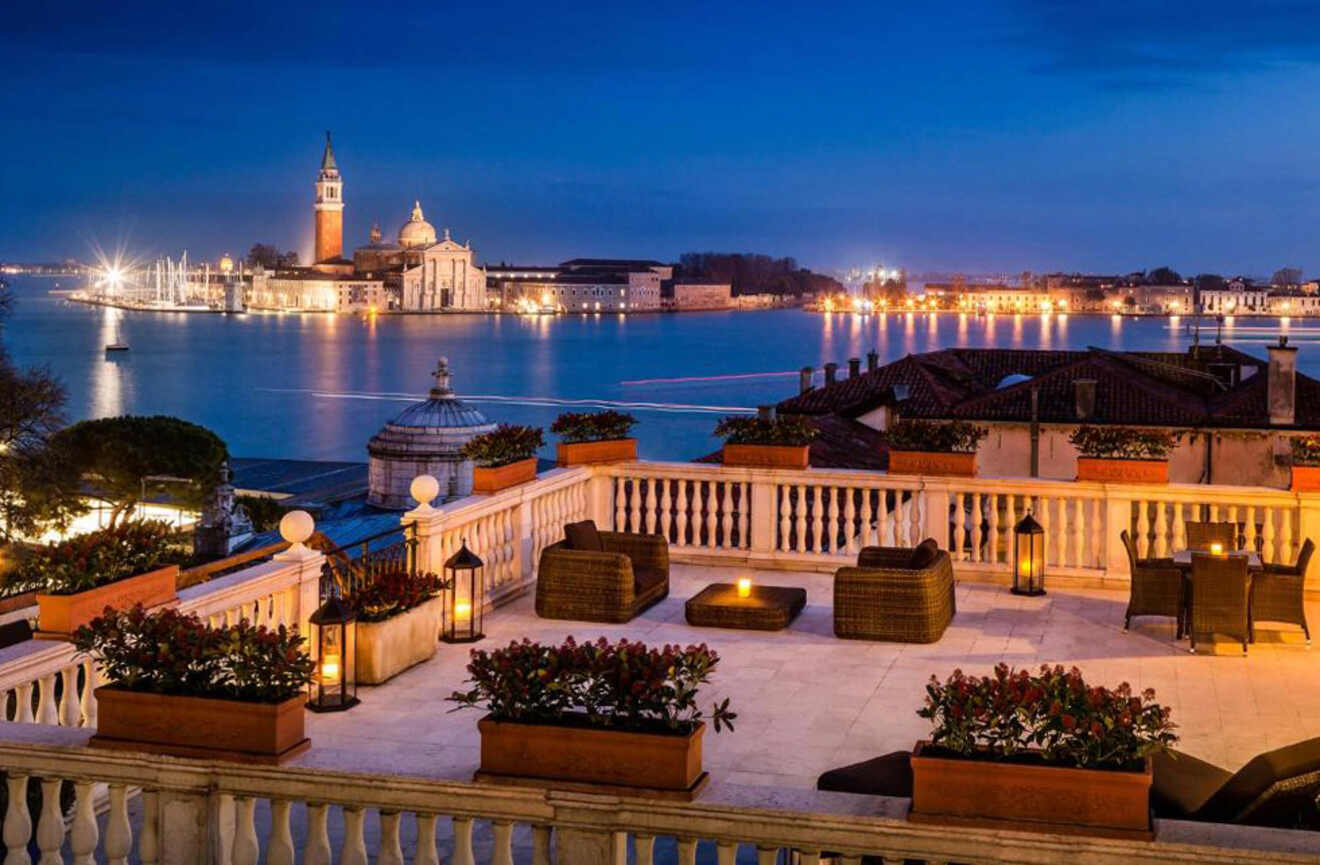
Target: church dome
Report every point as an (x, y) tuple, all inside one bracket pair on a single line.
[(416, 231), (426, 438)]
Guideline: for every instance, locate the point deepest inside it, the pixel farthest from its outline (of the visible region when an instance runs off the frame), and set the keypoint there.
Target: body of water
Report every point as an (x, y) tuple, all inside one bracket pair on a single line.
[(318, 386)]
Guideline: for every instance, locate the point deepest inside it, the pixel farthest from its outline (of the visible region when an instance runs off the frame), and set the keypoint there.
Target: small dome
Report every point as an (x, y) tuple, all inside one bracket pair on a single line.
[(416, 231)]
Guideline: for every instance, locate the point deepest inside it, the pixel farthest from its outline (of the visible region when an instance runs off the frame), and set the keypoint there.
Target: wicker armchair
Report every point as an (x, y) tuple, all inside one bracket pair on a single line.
[(884, 598), (1221, 590), (1276, 592), (1201, 535), (616, 585), (1156, 588)]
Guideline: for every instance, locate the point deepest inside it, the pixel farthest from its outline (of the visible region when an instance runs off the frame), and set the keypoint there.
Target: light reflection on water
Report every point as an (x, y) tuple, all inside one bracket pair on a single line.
[(289, 385)]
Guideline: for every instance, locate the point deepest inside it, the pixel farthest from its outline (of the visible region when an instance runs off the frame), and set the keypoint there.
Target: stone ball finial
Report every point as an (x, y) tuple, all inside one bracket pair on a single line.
[(297, 526), (424, 489)]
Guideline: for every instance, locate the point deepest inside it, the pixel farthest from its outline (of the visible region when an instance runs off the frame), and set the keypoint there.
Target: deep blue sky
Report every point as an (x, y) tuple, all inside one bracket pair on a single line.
[(1105, 136)]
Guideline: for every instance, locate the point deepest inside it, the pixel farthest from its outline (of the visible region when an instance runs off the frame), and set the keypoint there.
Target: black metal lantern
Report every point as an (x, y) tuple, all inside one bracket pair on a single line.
[(1028, 557), (467, 592), (334, 648)]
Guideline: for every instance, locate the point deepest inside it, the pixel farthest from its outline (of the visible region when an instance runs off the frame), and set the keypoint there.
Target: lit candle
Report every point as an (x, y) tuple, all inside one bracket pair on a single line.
[(744, 587), (330, 669), (462, 611), (1216, 548)]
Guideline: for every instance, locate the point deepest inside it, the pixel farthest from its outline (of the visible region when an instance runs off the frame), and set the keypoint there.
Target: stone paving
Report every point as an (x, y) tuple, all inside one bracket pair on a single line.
[(808, 701)]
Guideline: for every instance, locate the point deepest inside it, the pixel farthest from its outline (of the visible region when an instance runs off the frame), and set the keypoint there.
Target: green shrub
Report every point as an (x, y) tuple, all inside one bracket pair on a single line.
[(96, 558), (596, 426), (1122, 443), (944, 436), (507, 443), (1306, 450), (790, 430), (392, 593)]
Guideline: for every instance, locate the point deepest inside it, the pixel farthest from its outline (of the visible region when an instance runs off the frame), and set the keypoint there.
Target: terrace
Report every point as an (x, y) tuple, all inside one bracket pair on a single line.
[(807, 701)]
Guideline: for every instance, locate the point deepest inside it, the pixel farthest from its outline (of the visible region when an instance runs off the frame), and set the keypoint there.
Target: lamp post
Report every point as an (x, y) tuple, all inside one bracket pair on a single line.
[(465, 571), (334, 642), (1028, 557)]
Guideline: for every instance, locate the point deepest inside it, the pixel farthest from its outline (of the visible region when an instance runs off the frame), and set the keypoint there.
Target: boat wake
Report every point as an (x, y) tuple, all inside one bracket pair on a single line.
[(664, 407)]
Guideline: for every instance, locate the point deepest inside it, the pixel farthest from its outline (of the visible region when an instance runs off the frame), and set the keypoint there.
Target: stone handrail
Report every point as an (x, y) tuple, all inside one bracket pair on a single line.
[(206, 813)]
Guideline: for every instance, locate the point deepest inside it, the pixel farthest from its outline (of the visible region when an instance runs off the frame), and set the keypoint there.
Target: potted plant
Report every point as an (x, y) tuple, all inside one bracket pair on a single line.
[(175, 685), (594, 437), (775, 443), (504, 457), (1122, 454), (1305, 464), (619, 716), (116, 567), (1046, 751), (922, 447), (399, 616)]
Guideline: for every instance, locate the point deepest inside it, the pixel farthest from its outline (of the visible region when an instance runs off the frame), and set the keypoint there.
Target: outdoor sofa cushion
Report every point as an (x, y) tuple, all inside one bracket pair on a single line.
[(1267, 791), (887, 775), (583, 537)]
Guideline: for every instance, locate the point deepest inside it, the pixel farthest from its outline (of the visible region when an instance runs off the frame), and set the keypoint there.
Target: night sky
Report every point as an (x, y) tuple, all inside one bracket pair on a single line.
[(980, 136)]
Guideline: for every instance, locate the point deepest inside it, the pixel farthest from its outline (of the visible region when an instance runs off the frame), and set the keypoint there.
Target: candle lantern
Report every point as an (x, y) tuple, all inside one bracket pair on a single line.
[(1028, 557), (334, 647), (467, 591)]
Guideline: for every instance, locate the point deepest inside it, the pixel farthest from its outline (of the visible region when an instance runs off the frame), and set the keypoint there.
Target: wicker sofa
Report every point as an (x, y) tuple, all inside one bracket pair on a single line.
[(628, 574), (895, 594)]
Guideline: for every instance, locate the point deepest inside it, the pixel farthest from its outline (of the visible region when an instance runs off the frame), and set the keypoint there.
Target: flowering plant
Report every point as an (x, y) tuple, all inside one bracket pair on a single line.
[(791, 430), (1122, 443), (626, 685), (393, 592), (1306, 450), (96, 558), (507, 443), (593, 426), (1055, 714), (948, 436), (167, 652)]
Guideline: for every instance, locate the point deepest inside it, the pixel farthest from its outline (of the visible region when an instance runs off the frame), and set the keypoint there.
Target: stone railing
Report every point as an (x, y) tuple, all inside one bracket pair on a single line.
[(210, 813)]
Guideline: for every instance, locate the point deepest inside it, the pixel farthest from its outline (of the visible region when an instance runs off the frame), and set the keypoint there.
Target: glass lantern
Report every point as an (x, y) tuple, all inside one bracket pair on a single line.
[(467, 590), (1028, 557), (334, 649)]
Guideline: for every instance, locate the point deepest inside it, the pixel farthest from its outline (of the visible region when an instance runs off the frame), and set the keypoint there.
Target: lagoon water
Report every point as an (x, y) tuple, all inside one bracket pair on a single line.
[(318, 386)]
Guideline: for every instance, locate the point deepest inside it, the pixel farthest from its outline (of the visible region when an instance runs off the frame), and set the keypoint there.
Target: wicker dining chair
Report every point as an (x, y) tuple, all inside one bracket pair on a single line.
[(1156, 587), (1276, 592), (1221, 589), (1201, 535)]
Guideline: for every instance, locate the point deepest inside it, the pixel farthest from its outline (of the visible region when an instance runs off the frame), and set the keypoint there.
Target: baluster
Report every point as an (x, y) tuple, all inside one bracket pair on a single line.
[(785, 505), (391, 852), (279, 842), (883, 527), (226, 828), (149, 837), (316, 847), (18, 822), (1062, 530), (818, 545), (992, 501), (745, 516), (698, 513), (1179, 527), (977, 536), (1143, 530), (1249, 517), (725, 852), (1267, 551), (620, 505), (687, 851), (767, 856), (914, 512), (851, 530), (666, 517), (865, 515), (959, 526), (47, 711), (1079, 532), (84, 834), (1043, 517), (118, 831), (1010, 520), (463, 842), (648, 508), (1285, 551), (50, 828), (1161, 530), (682, 518), (726, 514), (353, 851), (70, 704), (245, 849), (541, 847), (502, 838), (426, 852), (1232, 518), (830, 531)]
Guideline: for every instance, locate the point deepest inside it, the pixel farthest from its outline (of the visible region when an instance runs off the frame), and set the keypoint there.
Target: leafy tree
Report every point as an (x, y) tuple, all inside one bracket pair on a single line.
[(1163, 276), (751, 273), (118, 457), (264, 511), (1287, 276), (1210, 282), (269, 256)]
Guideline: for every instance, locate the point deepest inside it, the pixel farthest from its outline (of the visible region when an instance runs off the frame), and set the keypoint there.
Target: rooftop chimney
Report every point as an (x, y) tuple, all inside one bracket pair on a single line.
[(872, 360), (1283, 383), (804, 379), (1084, 397), (831, 372), (854, 367), (765, 412)]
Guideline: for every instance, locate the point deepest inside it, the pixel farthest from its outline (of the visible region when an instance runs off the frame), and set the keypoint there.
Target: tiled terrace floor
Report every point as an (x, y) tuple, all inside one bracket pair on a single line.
[(808, 701)]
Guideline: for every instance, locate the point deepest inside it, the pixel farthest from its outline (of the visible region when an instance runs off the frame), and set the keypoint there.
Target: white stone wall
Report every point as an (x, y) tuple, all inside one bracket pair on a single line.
[(447, 279)]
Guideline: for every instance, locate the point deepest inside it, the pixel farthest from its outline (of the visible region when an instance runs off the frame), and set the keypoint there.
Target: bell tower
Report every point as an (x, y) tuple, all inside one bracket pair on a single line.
[(329, 207)]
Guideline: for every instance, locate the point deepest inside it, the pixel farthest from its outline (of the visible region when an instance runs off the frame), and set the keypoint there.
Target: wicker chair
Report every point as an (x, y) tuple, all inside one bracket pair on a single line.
[(1221, 589), (1201, 535), (885, 598), (1156, 588), (615, 586), (1276, 592)]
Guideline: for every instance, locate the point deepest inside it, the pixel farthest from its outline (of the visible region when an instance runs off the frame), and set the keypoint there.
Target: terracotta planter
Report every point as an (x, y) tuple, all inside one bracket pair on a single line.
[(588, 453), (199, 727), (932, 463), (546, 755), (768, 456), (58, 616), (496, 478), (385, 649), (1033, 797), (1116, 471), (1305, 479)]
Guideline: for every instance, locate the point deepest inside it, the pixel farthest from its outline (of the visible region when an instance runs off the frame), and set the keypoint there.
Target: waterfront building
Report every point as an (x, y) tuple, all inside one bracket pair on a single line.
[(1235, 301), (681, 294), (305, 289), (579, 285)]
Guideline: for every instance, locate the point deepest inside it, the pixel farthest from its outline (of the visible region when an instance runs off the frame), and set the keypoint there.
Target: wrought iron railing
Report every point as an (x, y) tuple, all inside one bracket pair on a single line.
[(351, 566)]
